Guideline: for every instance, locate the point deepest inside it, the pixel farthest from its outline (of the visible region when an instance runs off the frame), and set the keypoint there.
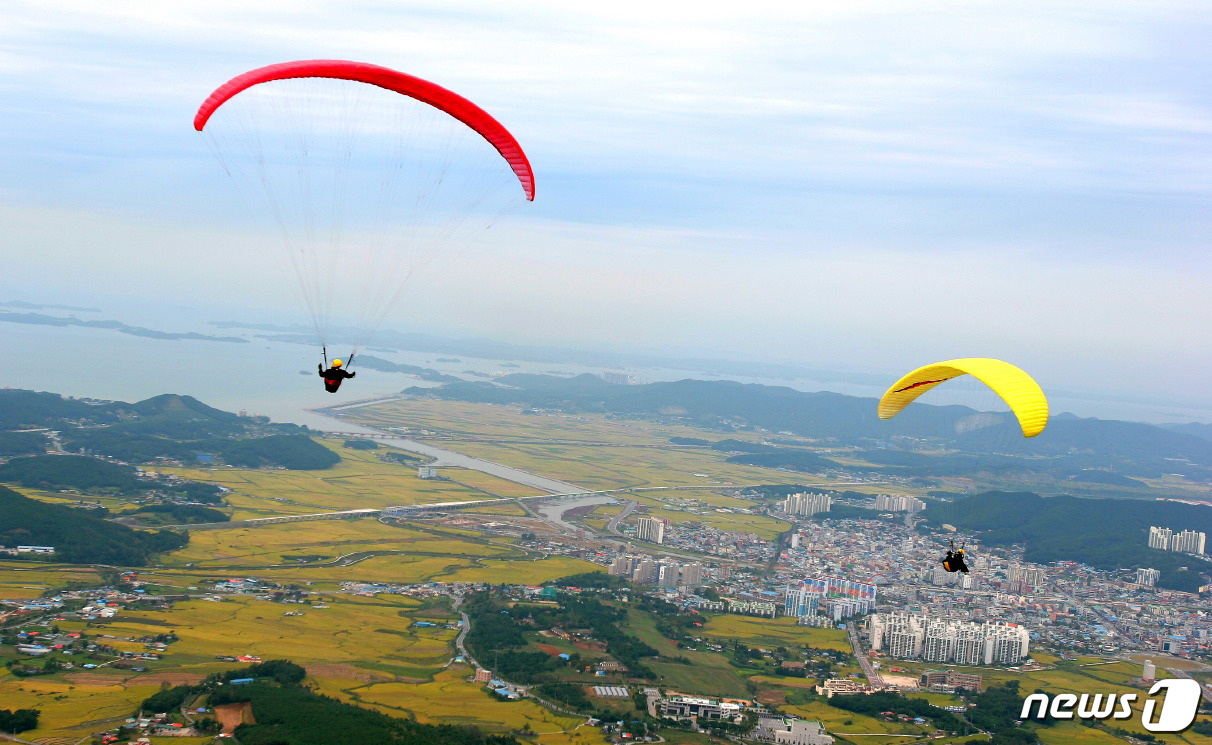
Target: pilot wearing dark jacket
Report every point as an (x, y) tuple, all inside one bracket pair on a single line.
[(334, 375)]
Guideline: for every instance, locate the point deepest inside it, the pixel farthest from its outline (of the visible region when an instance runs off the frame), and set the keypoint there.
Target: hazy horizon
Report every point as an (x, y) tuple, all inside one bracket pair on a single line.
[(263, 375)]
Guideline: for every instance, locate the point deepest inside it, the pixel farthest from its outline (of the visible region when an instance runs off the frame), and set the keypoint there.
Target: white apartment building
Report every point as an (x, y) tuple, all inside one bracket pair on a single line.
[(646, 570), (1147, 577), (898, 503), (807, 503), (907, 635), (1159, 538), (791, 732), (1186, 541), (651, 529), (1027, 575)]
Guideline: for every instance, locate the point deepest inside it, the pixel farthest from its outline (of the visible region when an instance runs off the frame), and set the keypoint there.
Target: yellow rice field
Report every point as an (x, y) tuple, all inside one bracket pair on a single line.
[(27, 579), (360, 480), (451, 699), (276, 543), (351, 629), (66, 706), (522, 572), (457, 418)]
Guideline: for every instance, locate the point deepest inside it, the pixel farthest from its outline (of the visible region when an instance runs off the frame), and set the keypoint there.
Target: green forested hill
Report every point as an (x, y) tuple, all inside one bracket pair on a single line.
[(77, 536), (22, 443), (55, 472), (167, 426), (1104, 533)]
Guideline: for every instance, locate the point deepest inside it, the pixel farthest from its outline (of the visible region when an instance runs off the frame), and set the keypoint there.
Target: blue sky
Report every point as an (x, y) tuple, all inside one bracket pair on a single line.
[(867, 186)]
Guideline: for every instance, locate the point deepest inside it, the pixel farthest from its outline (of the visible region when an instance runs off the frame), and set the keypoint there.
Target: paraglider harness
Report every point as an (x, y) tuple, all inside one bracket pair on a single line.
[(334, 375), (954, 560)]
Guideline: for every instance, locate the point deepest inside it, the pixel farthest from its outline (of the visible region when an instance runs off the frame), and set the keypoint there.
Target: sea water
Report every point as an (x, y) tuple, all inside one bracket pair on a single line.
[(278, 379)]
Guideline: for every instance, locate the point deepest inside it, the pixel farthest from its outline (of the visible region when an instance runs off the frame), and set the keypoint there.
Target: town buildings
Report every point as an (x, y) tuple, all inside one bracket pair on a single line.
[(949, 680)]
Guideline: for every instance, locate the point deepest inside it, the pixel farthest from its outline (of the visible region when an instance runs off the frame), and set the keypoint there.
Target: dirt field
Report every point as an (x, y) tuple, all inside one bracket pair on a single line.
[(349, 672), (173, 679), (553, 651), (775, 698), (95, 679), (233, 715), (103, 679)]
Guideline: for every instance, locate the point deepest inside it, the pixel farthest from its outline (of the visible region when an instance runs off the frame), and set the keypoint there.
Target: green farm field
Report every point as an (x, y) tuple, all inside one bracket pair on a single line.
[(488, 484), (762, 526), (774, 632), (521, 572)]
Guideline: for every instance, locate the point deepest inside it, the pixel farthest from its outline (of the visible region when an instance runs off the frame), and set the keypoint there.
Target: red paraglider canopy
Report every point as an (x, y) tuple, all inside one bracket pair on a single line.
[(422, 90)]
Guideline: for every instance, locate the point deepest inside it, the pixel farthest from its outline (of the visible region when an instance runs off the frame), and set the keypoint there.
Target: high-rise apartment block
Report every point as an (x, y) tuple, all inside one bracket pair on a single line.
[(898, 503), (651, 529), (1187, 541), (907, 635), (1159, 538), (1147, 577), (645, 570), (812, 596), (1027, 575), (807, 503)]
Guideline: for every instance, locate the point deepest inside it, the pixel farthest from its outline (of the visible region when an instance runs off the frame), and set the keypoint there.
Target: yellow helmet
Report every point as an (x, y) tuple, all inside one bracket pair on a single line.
[(336, 363)]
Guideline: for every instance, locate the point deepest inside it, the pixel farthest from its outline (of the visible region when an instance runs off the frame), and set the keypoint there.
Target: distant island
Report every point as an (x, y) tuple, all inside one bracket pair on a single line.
[(424, 373), (40, 319), (41, 306)]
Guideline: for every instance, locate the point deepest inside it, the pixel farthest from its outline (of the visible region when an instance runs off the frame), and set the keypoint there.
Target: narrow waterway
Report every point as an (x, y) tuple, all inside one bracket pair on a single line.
[(444, 457)]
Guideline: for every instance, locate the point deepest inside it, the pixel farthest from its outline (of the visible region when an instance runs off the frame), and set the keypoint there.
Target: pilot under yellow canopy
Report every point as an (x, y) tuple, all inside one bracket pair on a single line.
[(1017, 389)]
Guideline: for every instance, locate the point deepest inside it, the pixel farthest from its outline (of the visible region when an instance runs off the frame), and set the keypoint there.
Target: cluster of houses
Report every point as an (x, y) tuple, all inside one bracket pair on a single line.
[(19, 550)]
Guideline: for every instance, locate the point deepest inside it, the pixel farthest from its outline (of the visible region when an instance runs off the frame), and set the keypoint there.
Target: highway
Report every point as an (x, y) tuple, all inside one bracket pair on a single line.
[(1203, 688), (613, 525), (873, 678)]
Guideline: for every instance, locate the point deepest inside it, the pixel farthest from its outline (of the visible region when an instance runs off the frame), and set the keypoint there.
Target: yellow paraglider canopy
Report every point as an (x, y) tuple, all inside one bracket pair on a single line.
[(1017, 389)]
